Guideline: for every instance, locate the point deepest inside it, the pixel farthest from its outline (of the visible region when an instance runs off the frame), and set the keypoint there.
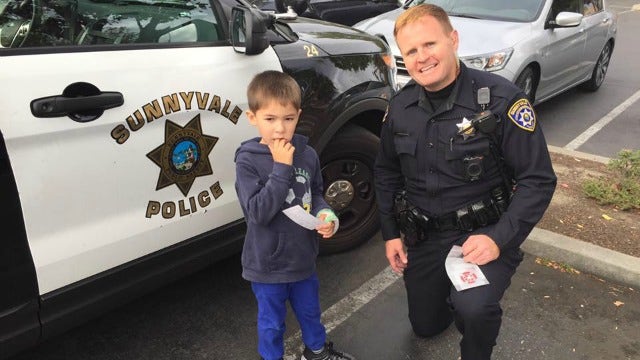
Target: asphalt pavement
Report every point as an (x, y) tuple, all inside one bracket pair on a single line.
[(548, 314)]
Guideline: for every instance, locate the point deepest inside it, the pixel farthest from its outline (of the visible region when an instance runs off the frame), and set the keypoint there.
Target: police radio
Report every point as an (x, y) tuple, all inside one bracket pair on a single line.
[(485, 121)]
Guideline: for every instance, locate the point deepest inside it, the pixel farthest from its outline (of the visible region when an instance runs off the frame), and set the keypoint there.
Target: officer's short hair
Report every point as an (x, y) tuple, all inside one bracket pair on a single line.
[(417, 12), (273, 85)]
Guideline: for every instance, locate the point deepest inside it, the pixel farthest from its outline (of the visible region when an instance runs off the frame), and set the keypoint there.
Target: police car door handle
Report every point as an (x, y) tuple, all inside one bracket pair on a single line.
[(60, 105)]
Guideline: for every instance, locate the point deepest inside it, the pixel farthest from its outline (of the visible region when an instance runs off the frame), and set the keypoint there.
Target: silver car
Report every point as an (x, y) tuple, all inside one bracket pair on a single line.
[(544, 46)]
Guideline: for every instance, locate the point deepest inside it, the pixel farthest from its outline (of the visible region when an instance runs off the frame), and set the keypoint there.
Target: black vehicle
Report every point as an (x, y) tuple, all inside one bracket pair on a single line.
[(116, 149)]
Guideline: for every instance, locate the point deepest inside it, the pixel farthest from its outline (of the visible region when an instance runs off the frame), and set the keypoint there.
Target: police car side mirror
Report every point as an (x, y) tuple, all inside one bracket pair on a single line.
[(249, 30)]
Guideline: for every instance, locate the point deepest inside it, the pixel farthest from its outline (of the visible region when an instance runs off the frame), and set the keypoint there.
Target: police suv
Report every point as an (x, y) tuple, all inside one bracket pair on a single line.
[(118, 124)]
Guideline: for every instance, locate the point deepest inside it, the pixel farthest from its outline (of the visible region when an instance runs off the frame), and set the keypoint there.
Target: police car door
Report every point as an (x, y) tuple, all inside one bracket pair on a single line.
[(121, 119)]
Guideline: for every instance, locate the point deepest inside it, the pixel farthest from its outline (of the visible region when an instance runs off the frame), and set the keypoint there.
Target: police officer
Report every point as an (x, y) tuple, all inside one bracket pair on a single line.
[(466, 148)]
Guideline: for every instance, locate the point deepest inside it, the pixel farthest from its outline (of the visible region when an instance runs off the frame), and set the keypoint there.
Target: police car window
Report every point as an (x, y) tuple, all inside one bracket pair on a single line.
[(37, 23)]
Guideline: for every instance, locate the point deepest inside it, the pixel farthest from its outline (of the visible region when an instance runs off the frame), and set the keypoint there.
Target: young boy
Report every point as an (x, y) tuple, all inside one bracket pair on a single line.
[(276, 171)]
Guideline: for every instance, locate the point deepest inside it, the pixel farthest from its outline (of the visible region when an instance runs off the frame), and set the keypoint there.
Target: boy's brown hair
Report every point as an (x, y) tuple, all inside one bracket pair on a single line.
[(417, 12), (273, 85)]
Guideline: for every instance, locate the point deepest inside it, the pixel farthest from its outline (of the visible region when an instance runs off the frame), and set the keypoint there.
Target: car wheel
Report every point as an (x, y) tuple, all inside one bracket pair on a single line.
[(527, 82), (347, 172), (600, 70), (299, 6)]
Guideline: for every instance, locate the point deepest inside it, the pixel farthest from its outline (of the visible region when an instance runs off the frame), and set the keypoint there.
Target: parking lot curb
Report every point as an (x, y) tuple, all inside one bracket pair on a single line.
[(580, 254), (584, 256), (578, 154)]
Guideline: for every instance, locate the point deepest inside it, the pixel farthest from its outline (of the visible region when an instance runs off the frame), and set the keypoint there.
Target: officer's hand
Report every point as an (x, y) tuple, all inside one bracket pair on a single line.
[(282, 151), (480, 250), (396, 255)]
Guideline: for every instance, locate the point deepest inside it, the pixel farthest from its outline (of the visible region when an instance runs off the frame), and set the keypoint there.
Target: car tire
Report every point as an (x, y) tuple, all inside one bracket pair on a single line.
[(528, 83), (599, 70), (347, 172), (299, 6)]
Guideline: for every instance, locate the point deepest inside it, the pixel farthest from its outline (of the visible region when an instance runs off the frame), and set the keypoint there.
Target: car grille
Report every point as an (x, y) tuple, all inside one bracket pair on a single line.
[(402, 68)]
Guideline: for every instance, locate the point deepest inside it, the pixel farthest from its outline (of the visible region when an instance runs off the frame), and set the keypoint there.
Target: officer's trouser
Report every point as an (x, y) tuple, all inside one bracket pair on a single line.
[(434, 303)]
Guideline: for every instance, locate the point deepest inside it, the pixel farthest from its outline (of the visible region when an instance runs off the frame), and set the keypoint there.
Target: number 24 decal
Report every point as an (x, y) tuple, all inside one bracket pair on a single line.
[(311, 50)]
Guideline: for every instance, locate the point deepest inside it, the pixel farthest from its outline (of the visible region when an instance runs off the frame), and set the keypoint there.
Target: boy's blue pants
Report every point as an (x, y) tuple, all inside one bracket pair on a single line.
[(272, 301)]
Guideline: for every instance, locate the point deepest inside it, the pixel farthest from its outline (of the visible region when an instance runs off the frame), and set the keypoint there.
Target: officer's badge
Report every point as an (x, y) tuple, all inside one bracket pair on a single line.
[(522, 114), (465, 128)]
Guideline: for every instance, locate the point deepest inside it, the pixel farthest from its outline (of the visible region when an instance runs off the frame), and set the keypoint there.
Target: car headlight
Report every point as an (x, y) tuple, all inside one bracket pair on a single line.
[(489, 62)]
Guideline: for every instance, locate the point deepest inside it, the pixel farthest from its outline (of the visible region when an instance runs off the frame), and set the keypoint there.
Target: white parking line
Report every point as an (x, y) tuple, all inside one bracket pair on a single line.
[(587, 134), (343, 309)]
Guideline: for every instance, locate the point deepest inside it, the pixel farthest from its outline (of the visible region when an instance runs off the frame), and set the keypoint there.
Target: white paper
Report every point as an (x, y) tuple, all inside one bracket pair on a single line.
[(301, 217), (463, 275)]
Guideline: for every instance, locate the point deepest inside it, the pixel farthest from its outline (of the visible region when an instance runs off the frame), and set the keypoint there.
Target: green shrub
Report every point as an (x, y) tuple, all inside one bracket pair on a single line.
[(621, 188)]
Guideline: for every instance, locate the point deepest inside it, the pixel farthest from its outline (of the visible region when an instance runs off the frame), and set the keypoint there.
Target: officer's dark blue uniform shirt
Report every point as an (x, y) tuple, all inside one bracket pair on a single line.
[(422, 152)]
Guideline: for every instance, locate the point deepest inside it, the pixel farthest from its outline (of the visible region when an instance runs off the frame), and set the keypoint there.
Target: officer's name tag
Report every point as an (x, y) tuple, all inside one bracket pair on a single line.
[(463, 275)]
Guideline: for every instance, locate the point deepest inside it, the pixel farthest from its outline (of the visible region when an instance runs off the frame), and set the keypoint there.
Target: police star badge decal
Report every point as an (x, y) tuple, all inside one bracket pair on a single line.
[(184, 155)]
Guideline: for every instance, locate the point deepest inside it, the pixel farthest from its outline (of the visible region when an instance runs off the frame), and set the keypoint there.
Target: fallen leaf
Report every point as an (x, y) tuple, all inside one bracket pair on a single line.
[(565, 185), (580, 226), (618, 303), (607, 217)]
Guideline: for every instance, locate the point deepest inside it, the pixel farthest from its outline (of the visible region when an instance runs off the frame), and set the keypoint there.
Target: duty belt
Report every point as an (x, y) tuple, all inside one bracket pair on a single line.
[(415, 225), (476, 215)]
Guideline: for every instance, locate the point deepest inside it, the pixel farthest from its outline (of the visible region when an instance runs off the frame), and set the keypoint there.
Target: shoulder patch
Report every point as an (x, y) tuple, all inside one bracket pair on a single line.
[(523, 115)]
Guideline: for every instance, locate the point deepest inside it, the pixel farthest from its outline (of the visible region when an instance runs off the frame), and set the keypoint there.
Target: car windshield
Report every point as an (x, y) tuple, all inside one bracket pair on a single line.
[(502, 10)]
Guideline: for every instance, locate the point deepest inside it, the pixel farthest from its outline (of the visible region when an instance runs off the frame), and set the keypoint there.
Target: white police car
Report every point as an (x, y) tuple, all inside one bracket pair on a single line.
[(118, 124)]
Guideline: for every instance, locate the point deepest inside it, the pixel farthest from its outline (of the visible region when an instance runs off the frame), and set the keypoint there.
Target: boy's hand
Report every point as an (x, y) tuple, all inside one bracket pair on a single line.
[(282, 151), (326, 228)]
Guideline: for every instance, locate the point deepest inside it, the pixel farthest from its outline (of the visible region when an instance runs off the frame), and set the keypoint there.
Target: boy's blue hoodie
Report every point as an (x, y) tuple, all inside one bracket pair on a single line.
[(276, 249)]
